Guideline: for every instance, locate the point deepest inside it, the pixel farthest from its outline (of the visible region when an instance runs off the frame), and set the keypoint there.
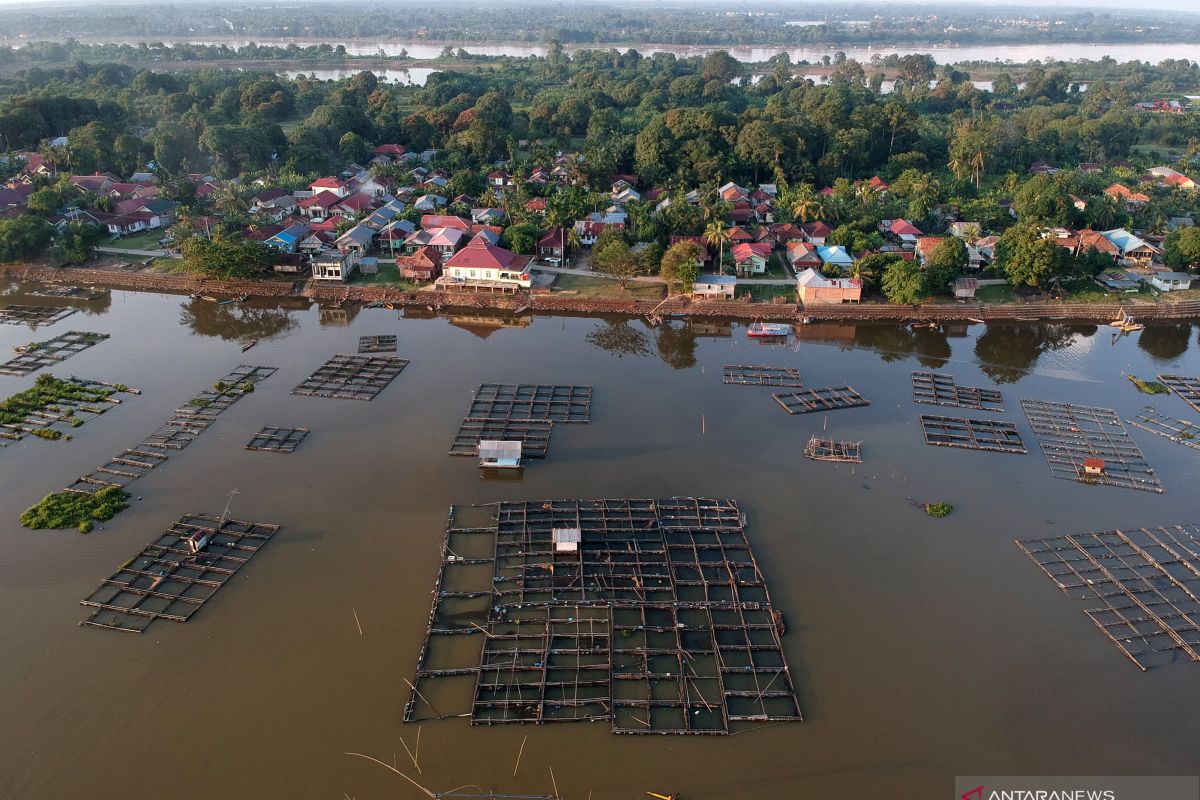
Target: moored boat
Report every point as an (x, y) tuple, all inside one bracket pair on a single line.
[(766, 330)]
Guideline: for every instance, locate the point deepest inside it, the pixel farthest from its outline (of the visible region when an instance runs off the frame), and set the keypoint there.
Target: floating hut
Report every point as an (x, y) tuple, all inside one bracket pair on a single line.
[(498, 454)]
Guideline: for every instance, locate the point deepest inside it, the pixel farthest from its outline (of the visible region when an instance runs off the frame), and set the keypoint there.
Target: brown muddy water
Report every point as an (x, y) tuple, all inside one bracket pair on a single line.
[(920, 648)]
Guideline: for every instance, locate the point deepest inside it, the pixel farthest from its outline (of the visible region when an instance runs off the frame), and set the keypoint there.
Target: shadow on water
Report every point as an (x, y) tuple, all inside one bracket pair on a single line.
[(677, 346), (235, 321), (1165, 342), (1008, 353)]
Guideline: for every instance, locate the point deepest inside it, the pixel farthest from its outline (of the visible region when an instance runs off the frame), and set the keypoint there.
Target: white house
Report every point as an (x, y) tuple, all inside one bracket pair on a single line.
[(1170, 281), (335, 266), (719, 287)]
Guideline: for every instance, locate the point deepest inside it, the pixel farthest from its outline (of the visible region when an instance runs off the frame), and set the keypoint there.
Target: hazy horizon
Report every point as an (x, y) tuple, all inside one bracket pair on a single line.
[(1186, 6)]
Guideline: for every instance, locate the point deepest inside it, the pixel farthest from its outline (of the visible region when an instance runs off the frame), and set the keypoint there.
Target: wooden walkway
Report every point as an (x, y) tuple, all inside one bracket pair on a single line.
[(169, 579), (827, 399), (188, 422), (1069, 434), (972, 434), (1144, 580)]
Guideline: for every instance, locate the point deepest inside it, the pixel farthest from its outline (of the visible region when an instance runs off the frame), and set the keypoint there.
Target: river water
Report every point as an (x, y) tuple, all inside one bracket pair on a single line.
[(920, 648)]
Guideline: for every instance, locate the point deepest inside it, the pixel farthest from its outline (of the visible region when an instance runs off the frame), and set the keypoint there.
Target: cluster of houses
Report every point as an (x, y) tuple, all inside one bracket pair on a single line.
[(352, 223)]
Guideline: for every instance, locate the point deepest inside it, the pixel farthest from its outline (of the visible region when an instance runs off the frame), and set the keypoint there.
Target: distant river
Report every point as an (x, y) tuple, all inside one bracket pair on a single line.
[(752, 53)]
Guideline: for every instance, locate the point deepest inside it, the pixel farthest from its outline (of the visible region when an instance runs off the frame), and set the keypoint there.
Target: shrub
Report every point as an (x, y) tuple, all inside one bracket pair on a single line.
[(75, 509), (938, 509)]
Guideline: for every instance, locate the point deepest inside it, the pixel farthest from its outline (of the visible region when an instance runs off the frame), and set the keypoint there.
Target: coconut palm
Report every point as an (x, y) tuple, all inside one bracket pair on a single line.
[(977, 162), (717, 235), (806, 205), (573, 242)]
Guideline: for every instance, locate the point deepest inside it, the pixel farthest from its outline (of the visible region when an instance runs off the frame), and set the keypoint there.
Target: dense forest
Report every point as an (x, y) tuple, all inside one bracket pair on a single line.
[(531, 21)]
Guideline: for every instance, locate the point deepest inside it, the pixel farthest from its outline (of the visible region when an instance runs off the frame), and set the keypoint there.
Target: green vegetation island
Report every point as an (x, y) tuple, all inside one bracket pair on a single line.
[(600, 174)]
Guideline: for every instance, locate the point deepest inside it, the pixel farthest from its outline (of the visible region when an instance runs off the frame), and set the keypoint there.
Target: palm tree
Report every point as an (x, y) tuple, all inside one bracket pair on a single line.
[(717, 235), (573, 242), (957, 167), (806, 204), (977, 161)]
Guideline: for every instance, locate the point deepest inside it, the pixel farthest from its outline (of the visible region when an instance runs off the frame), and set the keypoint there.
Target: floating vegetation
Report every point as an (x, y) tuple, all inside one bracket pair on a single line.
[(939, 509), (54, 400), (75, 509), (1148, 387)]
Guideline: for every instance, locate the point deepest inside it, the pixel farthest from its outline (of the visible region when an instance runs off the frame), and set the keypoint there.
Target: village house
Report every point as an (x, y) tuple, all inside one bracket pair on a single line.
[(802, 256), (834, 256), (816, 232), (424, 265), (814, 288), (1172, 179), (329, 184), (480, 265), (288, 240), (358, 240), (552, 246), (714, 287), (589, 229), (334, 265), (444, 240), (1171, 281), (1130, 199), (750, 258), (926, 245), (900, 232), (1132, 250)]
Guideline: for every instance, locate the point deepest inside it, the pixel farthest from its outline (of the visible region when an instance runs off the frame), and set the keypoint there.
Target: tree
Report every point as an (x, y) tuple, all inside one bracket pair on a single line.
[(616, 259), (44, 202), (227, 256), (717, 235), (23, 237), (1181, 248), (1028, 259), (77, 241), (902, 282), (944, 264), (522, 237), (681, 265)]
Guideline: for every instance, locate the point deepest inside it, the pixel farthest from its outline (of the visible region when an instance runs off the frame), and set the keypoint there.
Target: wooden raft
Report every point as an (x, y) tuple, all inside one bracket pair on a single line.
[(827, 399), (650, 614), (1177, 430), (177, 573), (277, 440), (1071, 435), (1188, 389), (534, 435), (761, 375), (33, 315), (525, 401), (50, 352), (941, 389), (346, 377), (1144, 580), (819, 449), (972, 434)]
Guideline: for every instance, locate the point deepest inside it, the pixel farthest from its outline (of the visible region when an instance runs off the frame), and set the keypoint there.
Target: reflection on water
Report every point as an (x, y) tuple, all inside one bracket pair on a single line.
[(677, 346), (1165, 342), (896, 342), (89, 301), (483, 323), (235, 321), (1008, 353), (620, 338)]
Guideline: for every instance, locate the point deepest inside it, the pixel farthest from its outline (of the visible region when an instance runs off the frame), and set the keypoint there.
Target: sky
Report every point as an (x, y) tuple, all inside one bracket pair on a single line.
[(1192, 6)]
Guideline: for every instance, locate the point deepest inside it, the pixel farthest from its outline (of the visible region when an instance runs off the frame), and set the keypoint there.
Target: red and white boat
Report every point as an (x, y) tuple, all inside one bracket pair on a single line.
[(768, 330)]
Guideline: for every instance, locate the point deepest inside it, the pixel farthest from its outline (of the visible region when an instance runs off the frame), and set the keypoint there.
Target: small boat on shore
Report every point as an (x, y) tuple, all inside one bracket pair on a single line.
[(977, 320), (767, 330)]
